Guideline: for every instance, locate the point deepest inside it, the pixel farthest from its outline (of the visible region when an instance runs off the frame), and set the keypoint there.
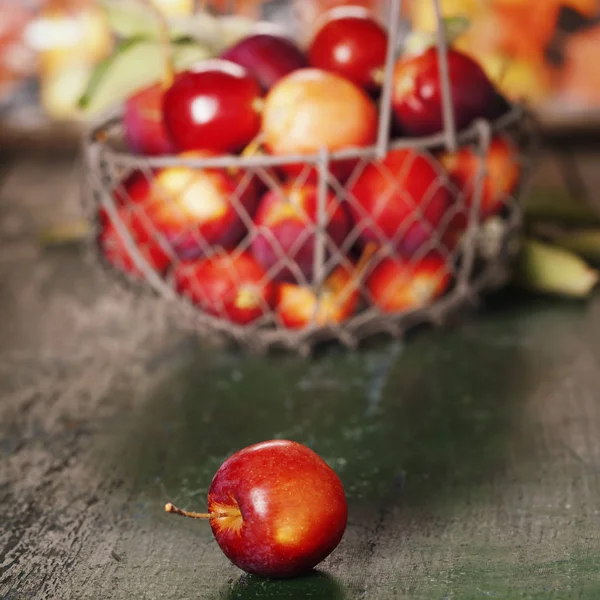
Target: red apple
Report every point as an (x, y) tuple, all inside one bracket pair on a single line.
[(399, 285), (133, 189), (266, 57), (417, 92), (299, 306), (337, 302), (311, 109), (501, 179), (286, 220), (190, 208), (401, 200), (214, 106), (452, 237), (276, 509), (145, 131), (194, 208), (115, 252), (230, 286), (352, 44)]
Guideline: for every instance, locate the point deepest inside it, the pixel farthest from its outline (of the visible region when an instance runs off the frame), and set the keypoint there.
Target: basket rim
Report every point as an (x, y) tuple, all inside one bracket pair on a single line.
[(97, 138)]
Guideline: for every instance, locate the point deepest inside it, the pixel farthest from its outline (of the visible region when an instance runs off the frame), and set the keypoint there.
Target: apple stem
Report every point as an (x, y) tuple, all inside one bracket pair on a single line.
[(258, 104), (359, 269), (171, 508), (254, 145), (378, 76), (165, 43), (365, 259)]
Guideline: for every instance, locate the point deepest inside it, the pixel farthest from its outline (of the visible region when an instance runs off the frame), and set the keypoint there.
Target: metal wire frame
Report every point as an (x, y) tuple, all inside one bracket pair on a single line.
[(103, 159)]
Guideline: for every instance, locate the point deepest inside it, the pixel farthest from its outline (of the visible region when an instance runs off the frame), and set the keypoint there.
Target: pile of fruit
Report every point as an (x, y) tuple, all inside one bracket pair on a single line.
[(277, 210)]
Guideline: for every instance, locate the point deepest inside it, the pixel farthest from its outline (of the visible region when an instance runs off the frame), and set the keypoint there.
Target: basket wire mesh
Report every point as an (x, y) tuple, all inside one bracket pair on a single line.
[(341, 243)]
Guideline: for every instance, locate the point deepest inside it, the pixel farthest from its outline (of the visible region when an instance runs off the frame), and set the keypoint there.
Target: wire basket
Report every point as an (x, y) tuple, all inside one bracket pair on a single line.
[(350, 270)]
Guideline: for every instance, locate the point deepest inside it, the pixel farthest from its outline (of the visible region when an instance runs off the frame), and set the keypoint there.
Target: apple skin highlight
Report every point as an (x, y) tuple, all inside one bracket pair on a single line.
[(283, 509)]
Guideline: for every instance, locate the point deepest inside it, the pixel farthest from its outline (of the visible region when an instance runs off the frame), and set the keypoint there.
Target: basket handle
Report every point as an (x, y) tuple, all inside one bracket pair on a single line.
[(385, 106), (444, 73)]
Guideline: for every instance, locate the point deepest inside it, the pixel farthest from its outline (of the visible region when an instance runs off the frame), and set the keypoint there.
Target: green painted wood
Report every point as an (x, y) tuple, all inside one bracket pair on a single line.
[(471, 455)]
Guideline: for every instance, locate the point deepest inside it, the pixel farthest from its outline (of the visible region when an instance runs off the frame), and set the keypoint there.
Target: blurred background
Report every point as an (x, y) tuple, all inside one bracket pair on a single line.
[(543, 51)]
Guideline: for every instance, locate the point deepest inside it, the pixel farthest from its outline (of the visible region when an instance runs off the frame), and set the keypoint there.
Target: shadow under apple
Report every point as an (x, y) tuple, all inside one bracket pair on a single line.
[(315, 584)]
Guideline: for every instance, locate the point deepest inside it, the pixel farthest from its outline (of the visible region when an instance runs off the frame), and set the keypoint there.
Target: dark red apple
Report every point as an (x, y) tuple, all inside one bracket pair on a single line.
[(143, 124), (311, 109), (276, 509), (352, 44), (500, 181), (230, 286), (194, 209), (215, 106), (286, 220), (266, 57), (116, 253), (417, 92), (399, 285), (401, 200)]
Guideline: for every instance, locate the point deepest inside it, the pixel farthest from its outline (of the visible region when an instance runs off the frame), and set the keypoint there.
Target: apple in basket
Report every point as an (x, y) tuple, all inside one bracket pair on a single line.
[(117, 253), (286, 221), (144, 129), (353, 44), (230, 286), (192, 209), (417, 92), (267, 57), (402, 200), (398, 285), (502, 176), (336, 300), (215, 106), (310, 110)]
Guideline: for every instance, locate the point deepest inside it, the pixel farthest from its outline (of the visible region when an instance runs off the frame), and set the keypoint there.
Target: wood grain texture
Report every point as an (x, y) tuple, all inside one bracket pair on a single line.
[(471, 456)]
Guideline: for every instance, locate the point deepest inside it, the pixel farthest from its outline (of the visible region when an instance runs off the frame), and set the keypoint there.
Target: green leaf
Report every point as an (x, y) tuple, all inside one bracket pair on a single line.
[(419, 41), (456, 26), (133, 66), (101, 69)]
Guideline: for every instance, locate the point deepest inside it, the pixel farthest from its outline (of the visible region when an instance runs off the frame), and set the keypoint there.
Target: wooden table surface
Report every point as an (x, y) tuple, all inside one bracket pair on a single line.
[(470, 455)]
